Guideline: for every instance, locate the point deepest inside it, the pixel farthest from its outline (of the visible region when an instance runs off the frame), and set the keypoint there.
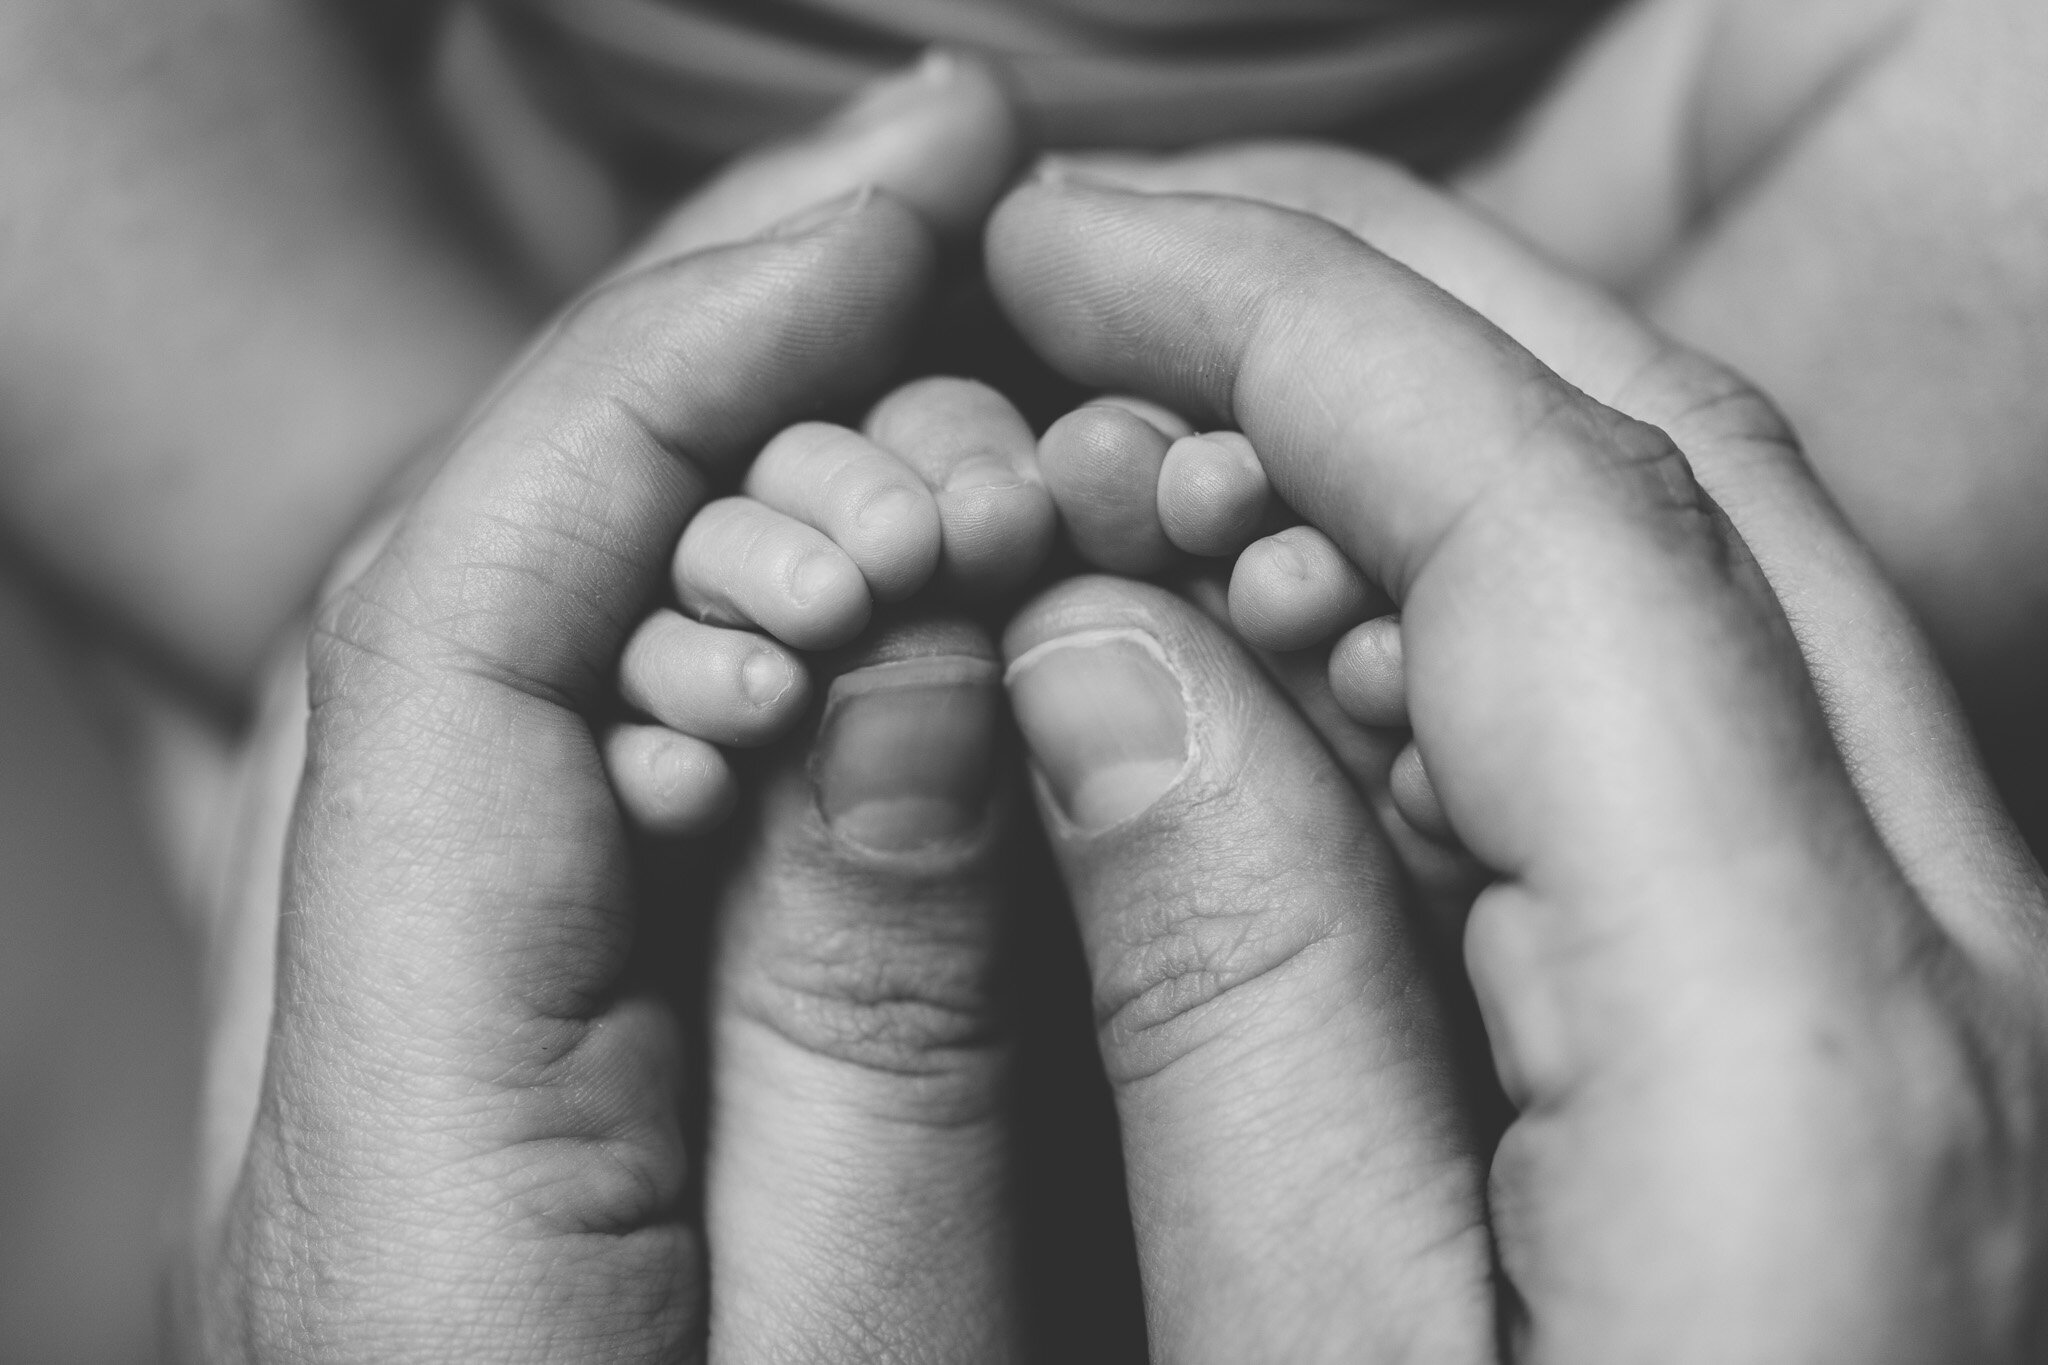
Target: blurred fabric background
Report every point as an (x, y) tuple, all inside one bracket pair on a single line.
[(98, 1028)]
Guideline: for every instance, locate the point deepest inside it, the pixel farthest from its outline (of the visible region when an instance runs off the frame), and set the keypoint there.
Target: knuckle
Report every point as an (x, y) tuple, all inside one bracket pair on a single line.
[(1574, 446), (1197, 959), (909, 1000), (1699, 400)]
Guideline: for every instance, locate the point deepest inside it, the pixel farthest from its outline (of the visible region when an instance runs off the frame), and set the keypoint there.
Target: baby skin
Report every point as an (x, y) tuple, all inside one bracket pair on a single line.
[(944, 496), (938, 496)]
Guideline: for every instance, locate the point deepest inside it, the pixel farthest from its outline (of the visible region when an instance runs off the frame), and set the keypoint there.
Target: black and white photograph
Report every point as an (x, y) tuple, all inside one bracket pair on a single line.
[(1023, 682)]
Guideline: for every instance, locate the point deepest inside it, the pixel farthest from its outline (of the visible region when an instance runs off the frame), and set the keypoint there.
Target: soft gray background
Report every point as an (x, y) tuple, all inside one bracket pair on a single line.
[(97, 1029)]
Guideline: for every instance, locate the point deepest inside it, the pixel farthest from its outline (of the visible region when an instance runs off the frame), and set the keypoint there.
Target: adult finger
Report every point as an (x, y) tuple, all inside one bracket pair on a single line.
[(1303, 1183), (469, 1130), (1809, 190), (1888, 703), (942, 137), (1433, 451), (1617, 719), (858, 1175)]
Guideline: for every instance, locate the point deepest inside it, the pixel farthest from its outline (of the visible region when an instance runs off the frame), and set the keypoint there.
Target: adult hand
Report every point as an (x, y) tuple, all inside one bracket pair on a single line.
[(1842, 200), (1761, 964), (941, 137), (452, 1126)]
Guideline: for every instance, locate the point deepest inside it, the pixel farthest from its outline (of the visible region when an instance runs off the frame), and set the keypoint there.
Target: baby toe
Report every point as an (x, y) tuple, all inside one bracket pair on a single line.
[(864, 499), (743, 563), (977, 454), (1367, 674), (724, 686), (1296, 589), (669, 785), (1213, 494), (1101, 464)]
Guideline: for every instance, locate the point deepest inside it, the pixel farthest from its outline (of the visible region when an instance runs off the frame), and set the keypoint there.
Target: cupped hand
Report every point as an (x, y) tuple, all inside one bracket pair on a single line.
[(1843, 201), (1760, 965), (450, 1122)]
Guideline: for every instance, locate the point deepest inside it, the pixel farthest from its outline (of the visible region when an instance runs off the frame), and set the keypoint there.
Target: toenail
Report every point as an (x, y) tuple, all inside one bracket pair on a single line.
[(982, 472), (1284, 558), (766, 677), (906, 757), (888, 507), (1106, 721), (815, 577)]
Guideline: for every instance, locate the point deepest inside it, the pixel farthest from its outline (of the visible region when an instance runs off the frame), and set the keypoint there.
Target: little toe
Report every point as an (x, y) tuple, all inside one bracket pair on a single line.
[(1295, 589), (1415, 797), (743, 563), (866, 500), (724, 686), (978, 456), (1101, 463), (669, 785), (1213, 494), (1367, 674)]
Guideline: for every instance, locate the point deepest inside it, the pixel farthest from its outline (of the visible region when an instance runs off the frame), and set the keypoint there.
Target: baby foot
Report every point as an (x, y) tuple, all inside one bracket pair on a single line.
[(1139, 492), (939, 491)]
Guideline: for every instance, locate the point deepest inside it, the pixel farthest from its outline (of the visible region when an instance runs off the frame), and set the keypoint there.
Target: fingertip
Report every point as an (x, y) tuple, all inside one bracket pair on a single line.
[(944, 135), (1213, 494), (1296, 589), (670, 785), (932, 144)]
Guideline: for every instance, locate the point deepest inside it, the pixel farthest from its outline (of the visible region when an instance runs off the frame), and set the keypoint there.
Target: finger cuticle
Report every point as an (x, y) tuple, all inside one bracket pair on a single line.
[(822, 215), (893, 94)]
